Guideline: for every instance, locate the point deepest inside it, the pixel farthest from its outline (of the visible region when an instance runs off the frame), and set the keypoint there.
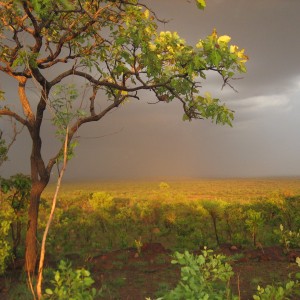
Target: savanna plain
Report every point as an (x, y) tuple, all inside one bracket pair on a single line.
[(228, 239)]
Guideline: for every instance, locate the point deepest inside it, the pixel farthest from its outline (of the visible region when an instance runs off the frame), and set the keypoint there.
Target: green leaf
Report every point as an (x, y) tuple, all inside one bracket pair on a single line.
[(201, 4), (49, 292), (57, 276), (88, 281), (215, 58), (185, 117)]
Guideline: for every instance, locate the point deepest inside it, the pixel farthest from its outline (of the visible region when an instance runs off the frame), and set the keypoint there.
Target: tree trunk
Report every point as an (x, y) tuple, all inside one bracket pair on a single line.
[(31, 252), (16, 230), (39, 180), (214, 219)]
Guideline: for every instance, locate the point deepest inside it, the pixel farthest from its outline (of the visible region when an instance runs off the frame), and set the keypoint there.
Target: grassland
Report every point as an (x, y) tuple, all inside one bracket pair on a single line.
[(241, 190)]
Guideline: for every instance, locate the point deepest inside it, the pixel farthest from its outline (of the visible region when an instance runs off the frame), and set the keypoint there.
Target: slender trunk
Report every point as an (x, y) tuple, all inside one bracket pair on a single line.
[(214, 219), (43, 245), (31, 252), (19, 232), (13, 238), (254, 237), (16, 230)]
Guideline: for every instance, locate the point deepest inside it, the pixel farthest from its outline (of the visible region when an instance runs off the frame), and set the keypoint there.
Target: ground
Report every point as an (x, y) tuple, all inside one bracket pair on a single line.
[(129, 275)]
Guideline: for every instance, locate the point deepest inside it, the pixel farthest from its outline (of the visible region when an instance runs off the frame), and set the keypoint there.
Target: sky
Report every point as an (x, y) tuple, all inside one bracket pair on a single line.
[(142, 141)]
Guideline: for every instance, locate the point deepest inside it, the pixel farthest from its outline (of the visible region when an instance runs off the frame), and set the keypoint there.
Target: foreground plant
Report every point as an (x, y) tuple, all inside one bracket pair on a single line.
[(204, 276), (69, 284)]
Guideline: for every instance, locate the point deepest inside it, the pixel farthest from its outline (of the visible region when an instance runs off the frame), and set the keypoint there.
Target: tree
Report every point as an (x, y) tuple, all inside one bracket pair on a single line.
[(114, 49)]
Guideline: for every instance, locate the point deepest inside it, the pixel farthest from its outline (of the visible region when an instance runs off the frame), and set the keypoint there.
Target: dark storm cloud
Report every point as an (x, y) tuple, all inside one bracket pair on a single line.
[(141, 140)]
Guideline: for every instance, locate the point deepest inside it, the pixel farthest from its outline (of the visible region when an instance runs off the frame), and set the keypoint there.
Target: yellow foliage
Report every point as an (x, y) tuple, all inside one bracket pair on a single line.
[(224, 39), (146, 14), (214, 34), (199, 45)]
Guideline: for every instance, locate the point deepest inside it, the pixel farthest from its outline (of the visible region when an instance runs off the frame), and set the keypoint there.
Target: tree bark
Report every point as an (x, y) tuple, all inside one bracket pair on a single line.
[(39, 180), (31, 251)]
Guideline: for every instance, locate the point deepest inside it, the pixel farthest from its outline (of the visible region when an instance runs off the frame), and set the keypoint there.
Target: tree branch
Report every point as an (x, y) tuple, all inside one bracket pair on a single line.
[(24, 101), (8, 112)]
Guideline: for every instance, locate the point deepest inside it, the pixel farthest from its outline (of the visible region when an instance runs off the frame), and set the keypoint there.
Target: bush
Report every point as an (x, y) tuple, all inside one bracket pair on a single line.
[(203, 276), (5, 248), (101, 201), (71, 285), (287, 238)]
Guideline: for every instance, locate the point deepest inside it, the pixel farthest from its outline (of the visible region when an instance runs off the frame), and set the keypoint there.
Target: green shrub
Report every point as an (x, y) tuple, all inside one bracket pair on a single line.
[(16, 192), (254, 222), (5, 248), (287, 238), (271, 292), (101, 201), (71, 285), (204, 276)]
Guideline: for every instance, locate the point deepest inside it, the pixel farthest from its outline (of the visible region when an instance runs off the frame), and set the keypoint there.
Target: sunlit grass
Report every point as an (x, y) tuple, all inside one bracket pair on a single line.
[(245, 190)]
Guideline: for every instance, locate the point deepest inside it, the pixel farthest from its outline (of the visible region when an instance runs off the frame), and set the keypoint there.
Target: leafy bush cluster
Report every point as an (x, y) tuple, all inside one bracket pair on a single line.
[(105, 222)]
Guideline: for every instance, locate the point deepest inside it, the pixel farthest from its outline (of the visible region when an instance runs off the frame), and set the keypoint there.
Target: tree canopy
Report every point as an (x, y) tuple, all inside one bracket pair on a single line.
[(114, 46)]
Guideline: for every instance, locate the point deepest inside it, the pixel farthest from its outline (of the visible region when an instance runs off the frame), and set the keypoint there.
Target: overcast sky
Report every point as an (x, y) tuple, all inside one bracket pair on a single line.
[(151, 141)]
